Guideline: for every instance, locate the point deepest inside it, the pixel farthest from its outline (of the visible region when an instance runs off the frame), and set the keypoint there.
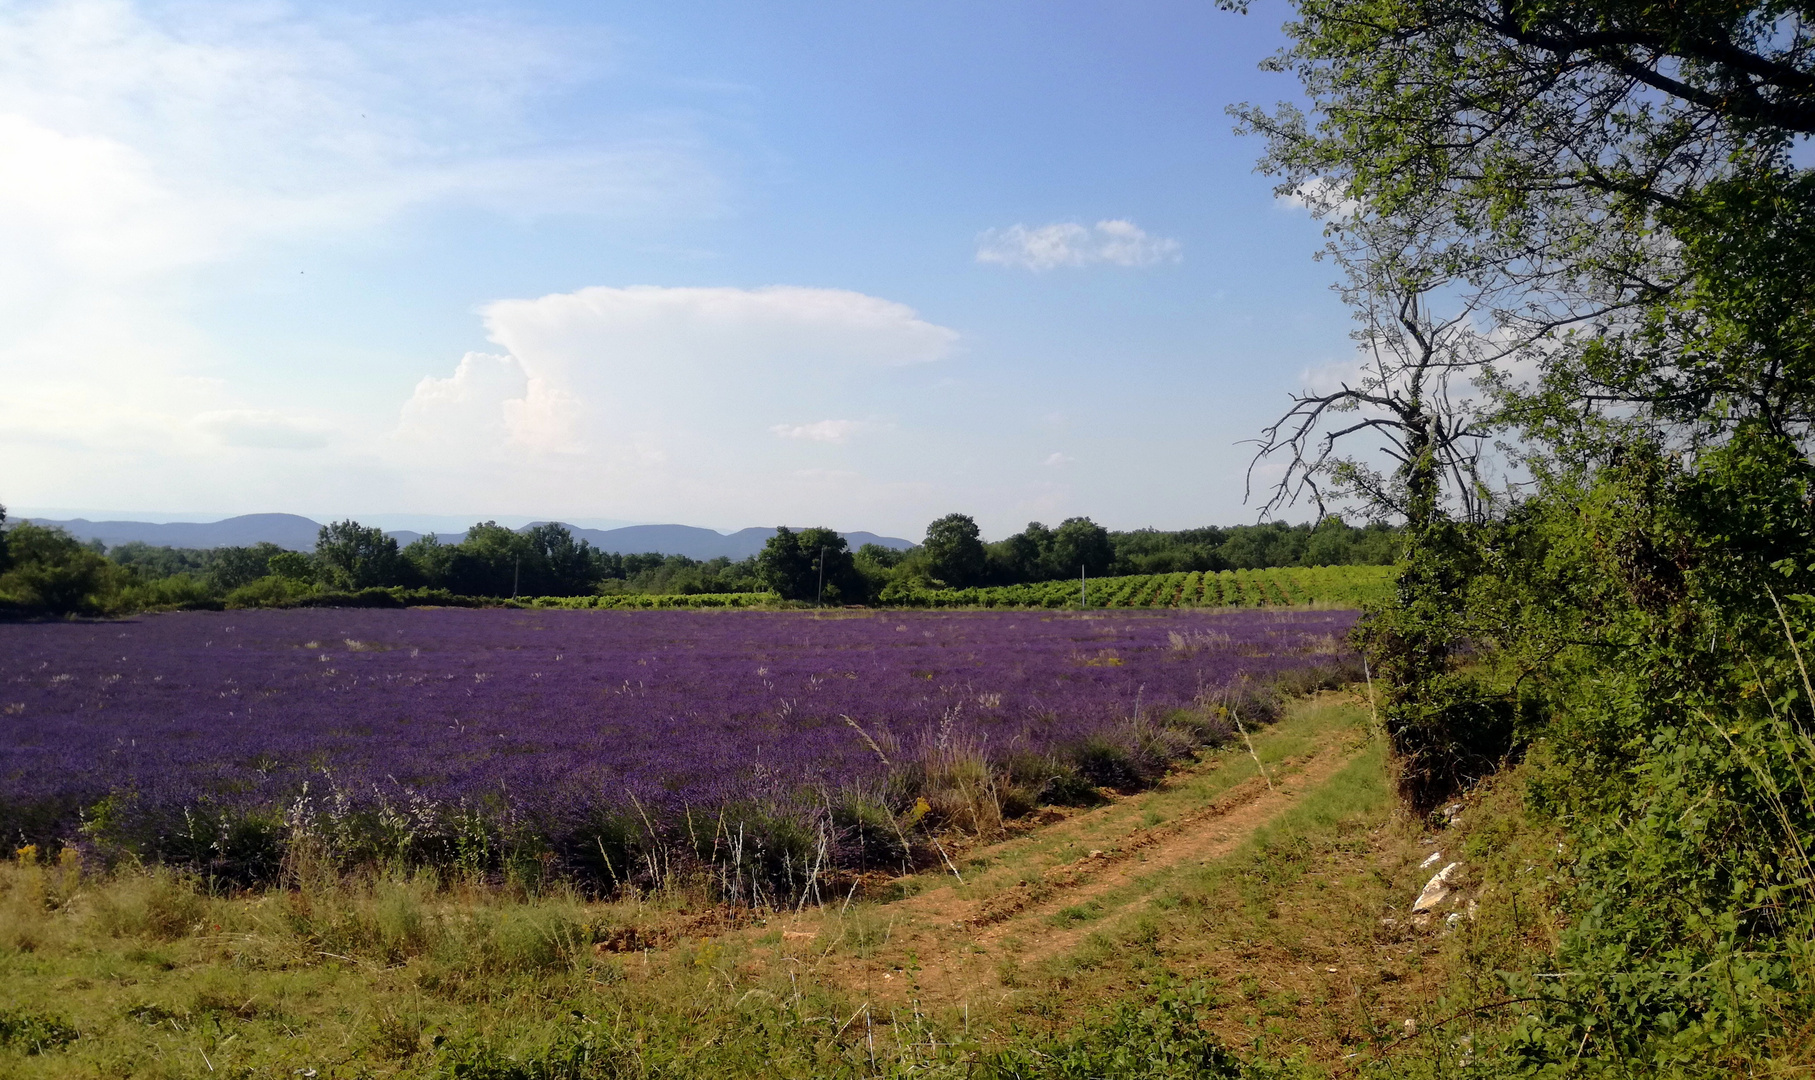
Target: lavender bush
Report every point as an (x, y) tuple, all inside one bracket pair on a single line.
[(770, 745)]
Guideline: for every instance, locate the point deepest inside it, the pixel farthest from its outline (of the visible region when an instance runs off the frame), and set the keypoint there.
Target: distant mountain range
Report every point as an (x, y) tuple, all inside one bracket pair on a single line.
[(285, 530), (298, 534)]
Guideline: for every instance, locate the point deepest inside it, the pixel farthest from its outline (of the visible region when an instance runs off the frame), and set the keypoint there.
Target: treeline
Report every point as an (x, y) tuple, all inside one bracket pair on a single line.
[(45, 570), (955, 556)]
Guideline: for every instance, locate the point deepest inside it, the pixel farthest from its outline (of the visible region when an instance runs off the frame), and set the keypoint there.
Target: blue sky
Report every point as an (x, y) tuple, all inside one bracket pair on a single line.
[(720, 264)]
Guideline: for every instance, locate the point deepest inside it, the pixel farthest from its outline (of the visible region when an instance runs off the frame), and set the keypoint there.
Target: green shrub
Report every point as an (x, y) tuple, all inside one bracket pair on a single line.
[(1162, 1040), (1107, 763), (34, 1032), (179, 591), (868, 837), (272, 590), (52, 573)]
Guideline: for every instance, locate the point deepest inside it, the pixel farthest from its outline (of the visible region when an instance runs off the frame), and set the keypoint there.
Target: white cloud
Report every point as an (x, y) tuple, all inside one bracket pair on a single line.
[(171, 135), (646, 374), (642, 401), (141, 146), (263, 429), (1115, 242), (466, 408), (1057, 458), (826, 431)]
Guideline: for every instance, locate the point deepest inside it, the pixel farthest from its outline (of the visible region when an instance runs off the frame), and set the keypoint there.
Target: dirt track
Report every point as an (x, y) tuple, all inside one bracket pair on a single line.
[(1024, 902)]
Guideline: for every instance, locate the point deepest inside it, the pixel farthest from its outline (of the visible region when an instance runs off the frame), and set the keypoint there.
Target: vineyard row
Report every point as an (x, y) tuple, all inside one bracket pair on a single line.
[(1319, 586)]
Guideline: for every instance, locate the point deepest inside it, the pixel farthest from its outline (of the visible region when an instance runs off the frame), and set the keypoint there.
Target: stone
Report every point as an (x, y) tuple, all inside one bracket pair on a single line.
[(1437, 889)]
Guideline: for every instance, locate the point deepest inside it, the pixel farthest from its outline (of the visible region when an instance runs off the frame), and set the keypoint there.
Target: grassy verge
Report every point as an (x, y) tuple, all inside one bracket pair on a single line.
[(1305, 944), (1281, 951)]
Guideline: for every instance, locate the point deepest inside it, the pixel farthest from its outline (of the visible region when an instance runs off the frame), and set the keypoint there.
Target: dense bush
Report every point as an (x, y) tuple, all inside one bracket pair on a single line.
[(1670, 609), (49, 572)]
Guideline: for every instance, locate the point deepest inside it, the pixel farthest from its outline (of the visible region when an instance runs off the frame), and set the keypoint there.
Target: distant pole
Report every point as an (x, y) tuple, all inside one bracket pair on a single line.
[(1083, 589), (516, 577), (819, 597)]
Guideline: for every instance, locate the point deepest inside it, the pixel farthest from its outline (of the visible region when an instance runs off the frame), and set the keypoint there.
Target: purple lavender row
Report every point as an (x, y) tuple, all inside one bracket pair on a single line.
[(563, 712)]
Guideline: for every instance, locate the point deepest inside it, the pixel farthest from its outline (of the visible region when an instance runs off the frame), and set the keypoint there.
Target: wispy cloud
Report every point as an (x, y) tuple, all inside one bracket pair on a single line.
[(826, 431), (263, 429), (140, 142), (142, 138), (1114, 242), (1057, 458)]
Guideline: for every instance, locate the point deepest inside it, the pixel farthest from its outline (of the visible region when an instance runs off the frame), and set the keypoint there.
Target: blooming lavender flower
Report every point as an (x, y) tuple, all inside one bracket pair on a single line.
[(566, 715)]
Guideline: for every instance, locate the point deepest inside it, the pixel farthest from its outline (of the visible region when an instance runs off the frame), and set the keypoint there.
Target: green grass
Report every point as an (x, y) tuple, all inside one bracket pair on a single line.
[(1305, 939)]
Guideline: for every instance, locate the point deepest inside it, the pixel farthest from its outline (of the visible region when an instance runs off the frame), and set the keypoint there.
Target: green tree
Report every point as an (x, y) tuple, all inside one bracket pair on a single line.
[(879, 566), (231, 567), (429, 558), (293, 566), (353, 556), (1612, 181), (488, 561), (953, 551), (1610, 187), (148, 562), (1080, 543), (1330, 543), (561, 565), (793, 565), (1025, 556), (886, 558), (52, 572)]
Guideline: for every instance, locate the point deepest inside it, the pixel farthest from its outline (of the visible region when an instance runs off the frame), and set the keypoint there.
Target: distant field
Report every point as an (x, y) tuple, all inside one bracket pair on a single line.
[(1291, 586)]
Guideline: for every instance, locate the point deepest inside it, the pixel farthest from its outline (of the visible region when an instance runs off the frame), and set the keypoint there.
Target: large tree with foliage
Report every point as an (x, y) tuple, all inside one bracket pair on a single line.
[(812, 564), (51, 572), (1610, 186), (1080, 544), (953, 551), (354, 556), (494, 560), (1613, 181)]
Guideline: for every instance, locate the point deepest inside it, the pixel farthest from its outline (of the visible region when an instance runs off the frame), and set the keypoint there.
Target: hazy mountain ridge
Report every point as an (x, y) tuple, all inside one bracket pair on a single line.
[(291, 531), (297, 533)]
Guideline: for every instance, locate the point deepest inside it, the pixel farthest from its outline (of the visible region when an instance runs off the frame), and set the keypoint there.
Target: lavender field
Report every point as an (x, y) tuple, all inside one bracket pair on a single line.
[(544, 721)]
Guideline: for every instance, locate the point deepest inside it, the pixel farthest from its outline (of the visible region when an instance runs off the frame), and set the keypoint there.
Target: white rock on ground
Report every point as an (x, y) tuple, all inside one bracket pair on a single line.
[(1437, 889)]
